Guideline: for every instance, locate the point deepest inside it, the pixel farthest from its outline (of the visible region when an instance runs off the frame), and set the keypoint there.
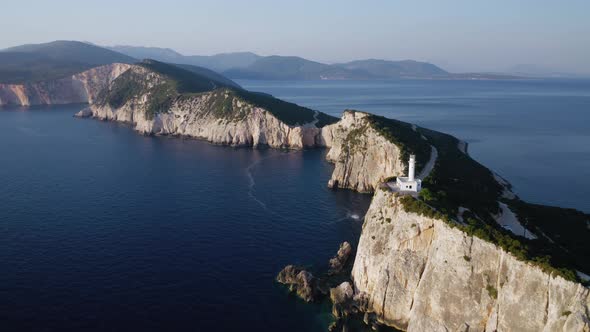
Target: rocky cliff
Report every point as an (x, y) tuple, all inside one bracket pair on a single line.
[(363, 158), (419, 274), (79, 88), (219, 115)]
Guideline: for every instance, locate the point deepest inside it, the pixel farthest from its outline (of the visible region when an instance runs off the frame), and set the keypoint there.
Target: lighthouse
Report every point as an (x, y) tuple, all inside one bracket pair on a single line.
[(409, 183), (411, 167)]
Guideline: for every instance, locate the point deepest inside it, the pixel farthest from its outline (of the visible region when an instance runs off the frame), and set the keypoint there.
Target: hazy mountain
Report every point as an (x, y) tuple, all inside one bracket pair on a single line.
[(288, 67), (223, 61), (394, 69), (74, 51), (292, 68), (34, 62), (217, 62), (156, 53), (246, 65), (62, 58), (17, 67)]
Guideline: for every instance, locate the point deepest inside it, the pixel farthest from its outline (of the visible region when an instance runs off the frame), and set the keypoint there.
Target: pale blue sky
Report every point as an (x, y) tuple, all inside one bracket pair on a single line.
[(459, 35)]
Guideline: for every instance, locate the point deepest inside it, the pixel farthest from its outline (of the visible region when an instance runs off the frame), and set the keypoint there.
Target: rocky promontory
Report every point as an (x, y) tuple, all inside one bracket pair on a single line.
[(161, 99), (420, 274), (441, 261)]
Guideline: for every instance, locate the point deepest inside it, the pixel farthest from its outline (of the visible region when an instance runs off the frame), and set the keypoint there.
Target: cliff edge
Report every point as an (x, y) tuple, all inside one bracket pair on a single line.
[(443, 261), (162, 99), (419, 274)]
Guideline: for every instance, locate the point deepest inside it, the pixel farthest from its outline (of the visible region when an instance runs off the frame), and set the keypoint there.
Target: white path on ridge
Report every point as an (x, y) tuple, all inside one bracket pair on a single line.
[(430, 164), (508, 220), (433, 156), (315, 120)]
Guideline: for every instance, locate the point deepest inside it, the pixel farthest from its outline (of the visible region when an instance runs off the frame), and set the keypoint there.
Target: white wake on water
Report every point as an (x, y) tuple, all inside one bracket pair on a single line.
[(252, 182)]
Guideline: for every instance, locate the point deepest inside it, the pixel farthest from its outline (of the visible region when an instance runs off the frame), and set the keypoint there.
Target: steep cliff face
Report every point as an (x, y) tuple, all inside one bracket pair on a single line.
[(419, 274), (79, 88), (218, 116), (362, 157)]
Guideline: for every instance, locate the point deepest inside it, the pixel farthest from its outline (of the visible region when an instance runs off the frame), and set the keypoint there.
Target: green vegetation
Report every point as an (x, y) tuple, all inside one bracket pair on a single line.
[(566, 313), (126, 86), (492, 291), (18, 68), (568, 228), (402, 135), (353, 140), (221, 104), (183, 83), (467, 258), (459, 181), (49, 61), (289, 113), (130, 85), (519, 248)]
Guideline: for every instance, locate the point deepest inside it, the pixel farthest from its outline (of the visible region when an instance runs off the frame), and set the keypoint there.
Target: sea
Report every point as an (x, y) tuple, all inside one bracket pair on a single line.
[(103, 229)]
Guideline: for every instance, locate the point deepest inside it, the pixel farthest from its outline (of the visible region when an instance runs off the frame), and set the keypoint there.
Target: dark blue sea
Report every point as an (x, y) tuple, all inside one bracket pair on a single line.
[(103, 229)]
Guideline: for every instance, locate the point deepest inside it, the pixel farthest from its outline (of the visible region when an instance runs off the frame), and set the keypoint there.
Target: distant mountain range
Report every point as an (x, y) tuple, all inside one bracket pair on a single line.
[(246, 65), (34, 62)]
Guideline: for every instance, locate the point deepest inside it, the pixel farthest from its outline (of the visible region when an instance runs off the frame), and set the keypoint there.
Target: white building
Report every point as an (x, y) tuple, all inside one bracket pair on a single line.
[(410, 183)]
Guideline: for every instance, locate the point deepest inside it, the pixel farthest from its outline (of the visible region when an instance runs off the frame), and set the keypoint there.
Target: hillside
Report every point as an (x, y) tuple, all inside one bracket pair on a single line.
[(165, 86), (209, 74), (58, 59), (18, 67), (73, 51)]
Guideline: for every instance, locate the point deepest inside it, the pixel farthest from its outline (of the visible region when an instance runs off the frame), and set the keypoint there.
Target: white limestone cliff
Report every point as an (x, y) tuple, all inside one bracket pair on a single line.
[(194, 116), (79, 88), (419, 274), (362, 157)]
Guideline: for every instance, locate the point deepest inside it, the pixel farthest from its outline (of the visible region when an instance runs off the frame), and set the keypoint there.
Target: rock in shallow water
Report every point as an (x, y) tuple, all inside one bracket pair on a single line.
[(342, 299), (339, 261), (300, 281)]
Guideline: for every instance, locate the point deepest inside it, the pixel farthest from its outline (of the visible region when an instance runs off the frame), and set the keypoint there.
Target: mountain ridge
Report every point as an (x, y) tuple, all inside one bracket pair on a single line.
[(54, 60)]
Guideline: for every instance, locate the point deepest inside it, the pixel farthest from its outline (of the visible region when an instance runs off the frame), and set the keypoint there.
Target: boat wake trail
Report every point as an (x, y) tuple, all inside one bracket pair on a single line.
[(252, 182)]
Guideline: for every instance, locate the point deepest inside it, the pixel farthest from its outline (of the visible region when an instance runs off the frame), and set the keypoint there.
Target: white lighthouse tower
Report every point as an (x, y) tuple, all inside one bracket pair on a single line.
[(409, 183), (412, 167)]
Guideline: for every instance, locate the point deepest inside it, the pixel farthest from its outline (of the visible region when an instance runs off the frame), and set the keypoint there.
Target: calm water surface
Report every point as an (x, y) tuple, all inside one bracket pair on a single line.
[(535, 133), (104, 229)]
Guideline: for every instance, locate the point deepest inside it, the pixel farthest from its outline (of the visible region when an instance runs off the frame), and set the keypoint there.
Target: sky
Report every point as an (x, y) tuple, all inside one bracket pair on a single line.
[(458, 35)]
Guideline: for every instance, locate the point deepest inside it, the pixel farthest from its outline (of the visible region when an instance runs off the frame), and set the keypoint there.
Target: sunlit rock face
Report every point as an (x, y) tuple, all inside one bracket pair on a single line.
[(419, 274), (362, 157)]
